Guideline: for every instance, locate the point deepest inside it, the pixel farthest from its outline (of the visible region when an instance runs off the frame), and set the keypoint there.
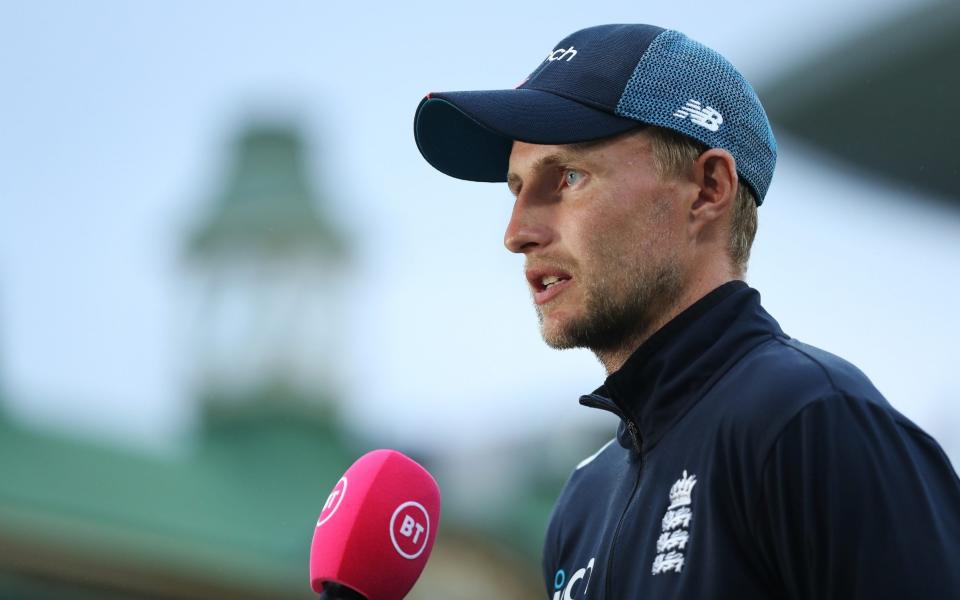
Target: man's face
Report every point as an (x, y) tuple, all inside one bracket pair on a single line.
[(603, 239)]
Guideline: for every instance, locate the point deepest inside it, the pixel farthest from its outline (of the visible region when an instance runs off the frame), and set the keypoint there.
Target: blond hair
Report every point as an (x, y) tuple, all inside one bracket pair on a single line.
[(673, 154)]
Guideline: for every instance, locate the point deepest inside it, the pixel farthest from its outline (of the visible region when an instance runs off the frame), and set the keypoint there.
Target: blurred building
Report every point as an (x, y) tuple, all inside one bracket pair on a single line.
[(232, 516), (267, 266)]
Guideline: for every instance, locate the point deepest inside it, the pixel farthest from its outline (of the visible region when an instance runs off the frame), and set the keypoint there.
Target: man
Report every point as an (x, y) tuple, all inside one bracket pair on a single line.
[(747, 464)]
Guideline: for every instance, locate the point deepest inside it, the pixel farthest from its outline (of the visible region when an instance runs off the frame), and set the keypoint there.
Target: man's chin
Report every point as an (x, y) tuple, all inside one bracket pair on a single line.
[(563, 334), (555, 334), (558, 342), (594, 334)]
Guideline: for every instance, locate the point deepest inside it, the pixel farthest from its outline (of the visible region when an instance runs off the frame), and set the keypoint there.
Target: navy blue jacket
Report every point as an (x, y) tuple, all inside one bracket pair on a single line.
[(750, 465)]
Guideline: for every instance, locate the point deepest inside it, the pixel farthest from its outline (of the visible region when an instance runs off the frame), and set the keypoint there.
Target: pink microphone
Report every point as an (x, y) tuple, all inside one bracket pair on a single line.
[(376, 529)]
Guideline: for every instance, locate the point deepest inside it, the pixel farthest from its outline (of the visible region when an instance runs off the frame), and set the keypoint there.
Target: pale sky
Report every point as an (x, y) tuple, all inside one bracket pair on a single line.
[(113, 124)]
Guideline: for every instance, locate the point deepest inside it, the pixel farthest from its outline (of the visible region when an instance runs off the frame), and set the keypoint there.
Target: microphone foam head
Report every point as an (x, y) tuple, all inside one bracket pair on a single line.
[(377, 527)]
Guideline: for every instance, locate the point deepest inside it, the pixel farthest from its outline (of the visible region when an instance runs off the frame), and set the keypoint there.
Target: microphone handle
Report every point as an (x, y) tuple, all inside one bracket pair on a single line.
[(335, 591)]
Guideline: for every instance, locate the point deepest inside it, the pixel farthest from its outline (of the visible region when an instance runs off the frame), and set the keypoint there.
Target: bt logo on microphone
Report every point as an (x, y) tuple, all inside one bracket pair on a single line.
[(410, 529), (333, 501)]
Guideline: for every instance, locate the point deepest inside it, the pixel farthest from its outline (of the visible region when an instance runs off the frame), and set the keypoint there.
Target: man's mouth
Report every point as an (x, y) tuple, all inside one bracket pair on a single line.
[(547, 284), (549, 280)]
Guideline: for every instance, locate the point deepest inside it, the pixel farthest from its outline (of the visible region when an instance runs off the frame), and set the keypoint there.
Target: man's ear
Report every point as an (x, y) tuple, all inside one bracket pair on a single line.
[(715, 173)]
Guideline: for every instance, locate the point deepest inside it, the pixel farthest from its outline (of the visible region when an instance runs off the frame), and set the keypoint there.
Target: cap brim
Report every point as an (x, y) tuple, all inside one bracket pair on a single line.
[(468, 135)]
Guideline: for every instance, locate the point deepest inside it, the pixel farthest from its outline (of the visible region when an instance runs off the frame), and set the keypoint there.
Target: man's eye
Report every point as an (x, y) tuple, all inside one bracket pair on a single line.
[(572, 177)]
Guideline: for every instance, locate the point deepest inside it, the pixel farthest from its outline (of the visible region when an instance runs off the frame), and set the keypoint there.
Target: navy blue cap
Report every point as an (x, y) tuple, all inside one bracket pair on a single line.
[(596, 83)]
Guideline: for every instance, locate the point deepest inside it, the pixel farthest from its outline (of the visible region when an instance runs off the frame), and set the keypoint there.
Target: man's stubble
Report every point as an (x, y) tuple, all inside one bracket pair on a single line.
[(625, 296)]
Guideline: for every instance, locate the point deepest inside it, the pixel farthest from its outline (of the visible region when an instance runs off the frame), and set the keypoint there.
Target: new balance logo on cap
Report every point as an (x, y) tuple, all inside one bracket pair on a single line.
[(562, 54), (704, 117)]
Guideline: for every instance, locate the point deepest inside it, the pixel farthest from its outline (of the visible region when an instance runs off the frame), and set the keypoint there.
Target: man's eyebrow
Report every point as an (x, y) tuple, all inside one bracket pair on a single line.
[(571, 152), (551, 160)]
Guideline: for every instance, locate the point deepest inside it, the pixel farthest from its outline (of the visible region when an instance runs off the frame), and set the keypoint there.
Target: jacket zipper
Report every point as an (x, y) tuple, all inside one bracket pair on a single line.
[(597, 401), (616, 532)]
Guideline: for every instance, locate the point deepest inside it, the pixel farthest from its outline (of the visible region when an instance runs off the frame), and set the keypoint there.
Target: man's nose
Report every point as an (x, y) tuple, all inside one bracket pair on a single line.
[(528, 228)]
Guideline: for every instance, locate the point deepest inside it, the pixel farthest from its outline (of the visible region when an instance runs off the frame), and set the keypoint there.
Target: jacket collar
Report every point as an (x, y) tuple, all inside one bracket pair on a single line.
[(678, 364)]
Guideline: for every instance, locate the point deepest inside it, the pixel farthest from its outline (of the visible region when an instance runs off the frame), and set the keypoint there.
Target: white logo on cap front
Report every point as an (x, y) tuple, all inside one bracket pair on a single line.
[(562, 54), (410, 529)]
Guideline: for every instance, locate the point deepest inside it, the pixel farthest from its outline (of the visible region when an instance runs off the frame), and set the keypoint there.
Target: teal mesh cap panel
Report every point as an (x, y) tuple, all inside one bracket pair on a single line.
[(682, 85)]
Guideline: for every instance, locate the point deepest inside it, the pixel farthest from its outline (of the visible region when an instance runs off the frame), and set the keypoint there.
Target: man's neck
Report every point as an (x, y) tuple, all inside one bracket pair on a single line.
[(614, 358)]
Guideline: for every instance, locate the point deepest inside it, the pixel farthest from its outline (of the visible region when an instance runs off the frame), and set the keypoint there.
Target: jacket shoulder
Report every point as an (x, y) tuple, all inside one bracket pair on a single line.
[(782, 376), (754, 400)]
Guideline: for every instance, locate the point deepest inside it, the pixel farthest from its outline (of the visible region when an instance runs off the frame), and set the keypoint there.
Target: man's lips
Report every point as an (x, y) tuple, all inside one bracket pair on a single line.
[(547, 283)]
